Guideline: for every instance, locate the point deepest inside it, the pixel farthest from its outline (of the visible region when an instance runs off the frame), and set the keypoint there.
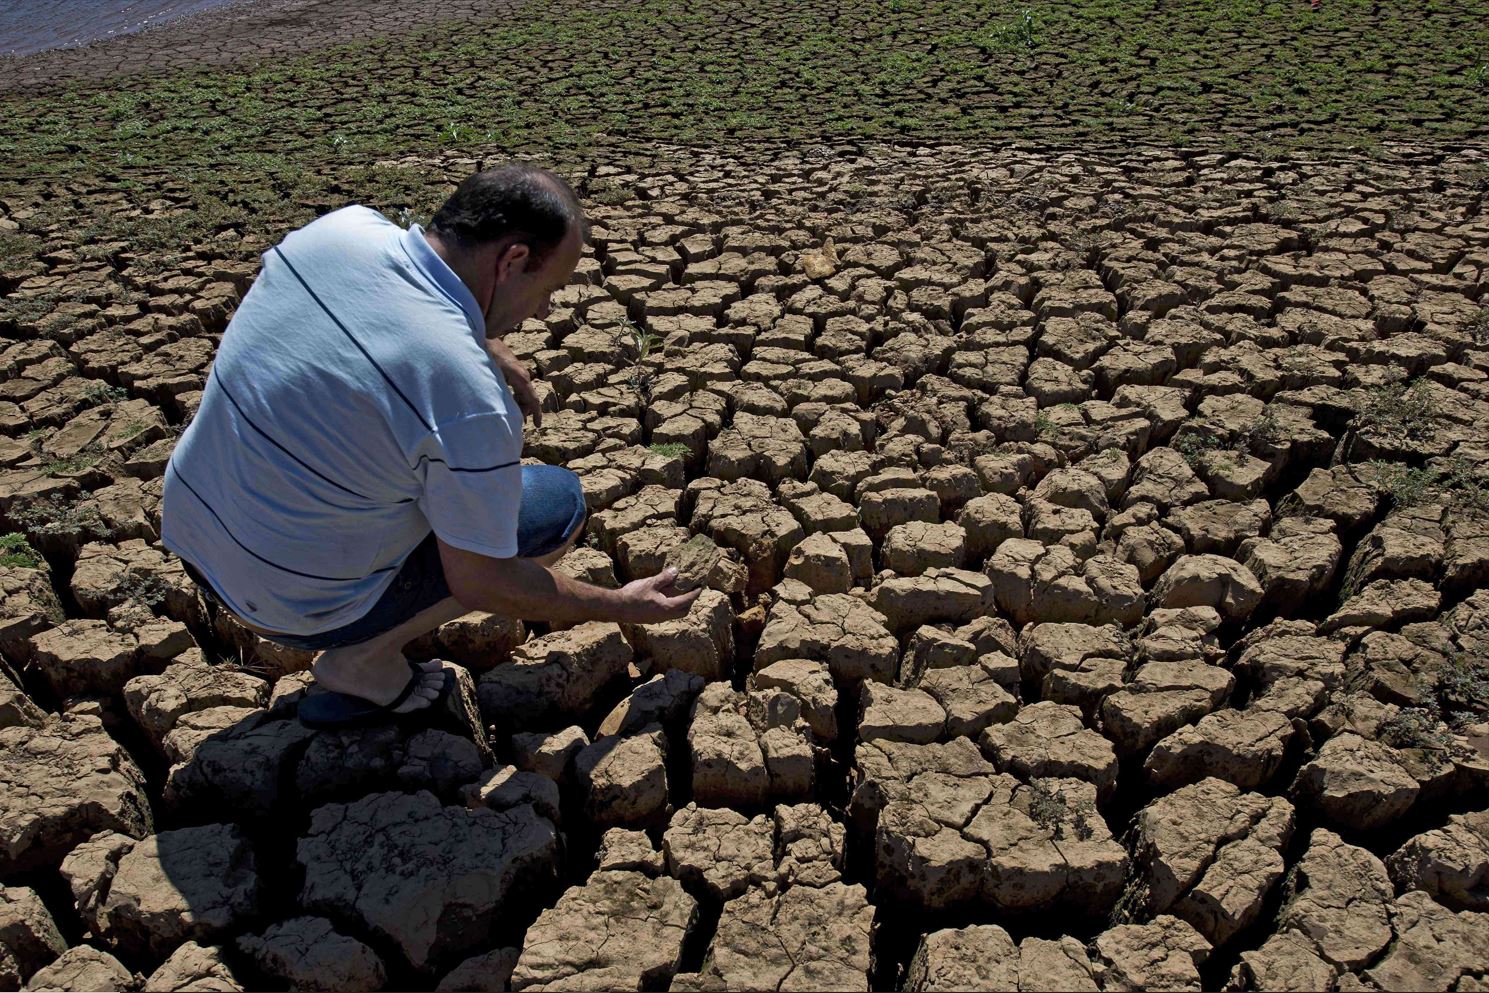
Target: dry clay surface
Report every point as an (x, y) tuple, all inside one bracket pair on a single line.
[(1094, 550)]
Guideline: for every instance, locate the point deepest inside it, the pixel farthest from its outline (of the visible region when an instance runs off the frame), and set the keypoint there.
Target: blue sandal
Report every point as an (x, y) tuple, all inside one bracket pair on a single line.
[(331, 710)]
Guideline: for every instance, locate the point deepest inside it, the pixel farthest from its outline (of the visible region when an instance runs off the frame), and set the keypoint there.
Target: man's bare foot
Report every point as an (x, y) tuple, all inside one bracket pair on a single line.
[(342, 671)]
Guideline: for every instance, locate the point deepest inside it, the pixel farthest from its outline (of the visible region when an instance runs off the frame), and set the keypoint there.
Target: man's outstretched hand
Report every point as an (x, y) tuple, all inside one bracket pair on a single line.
[(647, 601)]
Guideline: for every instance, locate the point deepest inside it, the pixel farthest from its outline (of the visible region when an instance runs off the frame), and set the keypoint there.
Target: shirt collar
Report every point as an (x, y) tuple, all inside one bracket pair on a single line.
[(423, 255)]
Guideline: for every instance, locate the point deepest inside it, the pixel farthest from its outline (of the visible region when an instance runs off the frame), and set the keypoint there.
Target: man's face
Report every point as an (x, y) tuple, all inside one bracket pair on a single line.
[(521, 294)]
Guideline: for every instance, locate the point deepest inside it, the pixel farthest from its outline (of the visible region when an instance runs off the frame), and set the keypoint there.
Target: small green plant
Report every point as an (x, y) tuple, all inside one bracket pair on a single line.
[(145, 588), (1478, 77), (1479, 329), (1194, 445), (1455, 481), (1400, 410), (1021, 32), (1048, 809), (671, 450), (1463, 688), (639, 342), (96, 394), (16, 552), (68, 465), (1046, 427), (58, 517)]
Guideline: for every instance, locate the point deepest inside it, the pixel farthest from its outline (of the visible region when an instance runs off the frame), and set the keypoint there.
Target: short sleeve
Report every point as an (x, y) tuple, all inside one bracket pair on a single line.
[(472, 483)]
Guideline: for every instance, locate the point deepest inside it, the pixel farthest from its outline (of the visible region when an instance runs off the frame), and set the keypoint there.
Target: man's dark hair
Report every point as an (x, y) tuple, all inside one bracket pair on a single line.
[(531, 205)]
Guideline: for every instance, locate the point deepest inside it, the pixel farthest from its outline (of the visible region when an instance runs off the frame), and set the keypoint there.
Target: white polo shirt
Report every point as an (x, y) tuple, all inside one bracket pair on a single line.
[(352, 407)]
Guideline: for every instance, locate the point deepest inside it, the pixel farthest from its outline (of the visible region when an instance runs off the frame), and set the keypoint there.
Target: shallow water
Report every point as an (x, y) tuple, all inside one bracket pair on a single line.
[(28, 26)]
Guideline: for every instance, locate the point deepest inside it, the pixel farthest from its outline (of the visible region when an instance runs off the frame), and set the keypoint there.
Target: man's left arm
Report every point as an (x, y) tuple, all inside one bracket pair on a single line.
[(518, 378)]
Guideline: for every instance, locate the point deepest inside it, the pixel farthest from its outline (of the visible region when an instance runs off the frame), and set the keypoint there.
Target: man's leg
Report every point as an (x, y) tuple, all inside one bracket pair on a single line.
[(376, 669)]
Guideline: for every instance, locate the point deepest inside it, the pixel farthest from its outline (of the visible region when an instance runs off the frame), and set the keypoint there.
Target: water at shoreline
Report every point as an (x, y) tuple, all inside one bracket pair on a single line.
[(28, 26)]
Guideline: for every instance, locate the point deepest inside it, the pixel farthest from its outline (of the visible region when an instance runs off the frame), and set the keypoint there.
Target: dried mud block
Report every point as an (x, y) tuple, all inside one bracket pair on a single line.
[(456, 717), (1243, 747), (146, 897), (805, 938), (1163, 478), (63, 782), (1163, 955), (194, 968), (369, 861), (550, 755), (940, 595), (888, 713), (28, 606), (816, 510), (1451, 863), (912, 549), (984, 957), (771, 449), (1434, 948), (949, 831), (231, 758), (85, 657), (83, 967), (832, 562), (1292, 650), (1047, 740), (623, 781), (1033, 582), (838, 629), (1356, 783), (741, 515), (699, 644), (1161, 698), (693, 560), (974, 695), (28, 934), (1338, 897), (487, 971), (557, 676), (644, 920), (307, 953), (1295, 562), (477, 641), (1209, 581), (988, 521), (157, 702), (721, 852), (810, 684), (1210, 854), (16, 708), (1386, 603), (108, 575), (664, 699)]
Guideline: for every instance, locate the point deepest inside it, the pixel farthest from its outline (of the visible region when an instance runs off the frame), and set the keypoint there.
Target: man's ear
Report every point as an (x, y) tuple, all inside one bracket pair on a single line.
[(512, 260)]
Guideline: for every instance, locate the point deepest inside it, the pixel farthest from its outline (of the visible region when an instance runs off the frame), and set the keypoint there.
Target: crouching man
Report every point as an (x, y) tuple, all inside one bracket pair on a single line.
[(353, 477)]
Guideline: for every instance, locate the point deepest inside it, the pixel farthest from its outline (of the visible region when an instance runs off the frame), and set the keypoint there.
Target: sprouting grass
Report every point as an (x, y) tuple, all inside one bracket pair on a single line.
[(1400, 410), (671, 450), (17, 553)]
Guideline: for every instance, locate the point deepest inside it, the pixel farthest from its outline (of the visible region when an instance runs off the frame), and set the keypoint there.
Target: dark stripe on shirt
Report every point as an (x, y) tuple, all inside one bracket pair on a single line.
[(349, 337), (276, 565), (452, 468), (308, 468)]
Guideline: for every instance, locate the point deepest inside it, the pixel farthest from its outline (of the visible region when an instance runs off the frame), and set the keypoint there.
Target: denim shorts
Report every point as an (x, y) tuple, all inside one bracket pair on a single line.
[(552, 511)]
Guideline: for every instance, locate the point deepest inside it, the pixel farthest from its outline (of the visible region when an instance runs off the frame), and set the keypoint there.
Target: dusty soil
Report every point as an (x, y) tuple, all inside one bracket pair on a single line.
[(1103, 544), (1095, 547)]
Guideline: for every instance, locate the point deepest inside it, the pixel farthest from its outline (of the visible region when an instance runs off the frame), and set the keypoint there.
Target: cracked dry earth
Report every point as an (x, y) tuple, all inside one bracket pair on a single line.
[(1096, 601)]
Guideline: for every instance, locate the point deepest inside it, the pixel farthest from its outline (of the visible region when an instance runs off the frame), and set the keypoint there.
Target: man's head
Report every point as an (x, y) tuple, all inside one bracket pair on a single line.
[(514, 234)]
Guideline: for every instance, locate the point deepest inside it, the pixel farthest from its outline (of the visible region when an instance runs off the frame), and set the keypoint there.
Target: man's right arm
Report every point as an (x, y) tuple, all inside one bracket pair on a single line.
[(527, 589)]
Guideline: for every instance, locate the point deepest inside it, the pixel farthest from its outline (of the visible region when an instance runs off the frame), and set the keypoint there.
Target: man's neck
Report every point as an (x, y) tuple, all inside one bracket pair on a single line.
[(461, 263)]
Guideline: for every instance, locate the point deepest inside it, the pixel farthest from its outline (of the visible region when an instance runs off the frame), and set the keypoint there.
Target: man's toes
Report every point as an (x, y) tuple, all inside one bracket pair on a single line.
[(425, 693)]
